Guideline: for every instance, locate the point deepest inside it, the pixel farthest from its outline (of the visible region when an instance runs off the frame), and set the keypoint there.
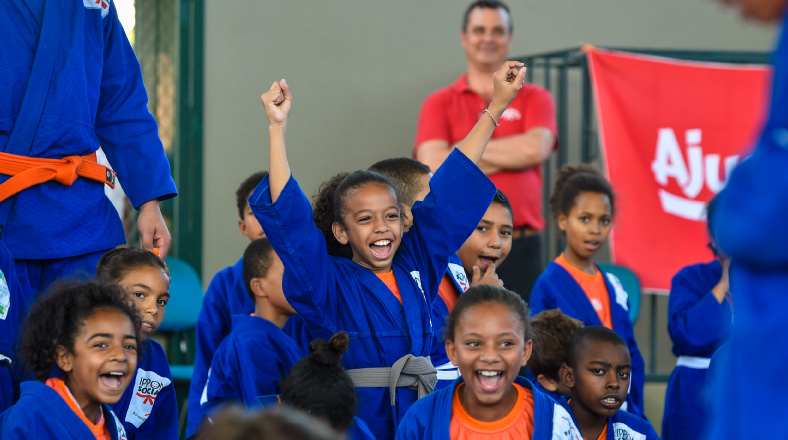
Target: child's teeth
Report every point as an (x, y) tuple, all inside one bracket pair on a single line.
[(489, 373), (381, 242)]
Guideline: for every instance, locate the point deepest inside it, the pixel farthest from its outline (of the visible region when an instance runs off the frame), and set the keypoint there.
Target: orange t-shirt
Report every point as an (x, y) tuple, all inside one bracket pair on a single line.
[(517, 425), (98, 429), (595, 289), (390, 281), (448, 292)]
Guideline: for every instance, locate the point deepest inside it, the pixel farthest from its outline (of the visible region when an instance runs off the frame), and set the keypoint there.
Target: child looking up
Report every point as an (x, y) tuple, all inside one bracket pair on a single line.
[(552, 330), (488, 337), (82, 342), (583, 205), (257, 354), (318, 385), (382, 294), (148, 408), (597, 371)]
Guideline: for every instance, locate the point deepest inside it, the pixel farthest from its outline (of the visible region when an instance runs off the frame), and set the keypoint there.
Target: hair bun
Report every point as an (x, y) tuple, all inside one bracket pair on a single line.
[(329, 353)]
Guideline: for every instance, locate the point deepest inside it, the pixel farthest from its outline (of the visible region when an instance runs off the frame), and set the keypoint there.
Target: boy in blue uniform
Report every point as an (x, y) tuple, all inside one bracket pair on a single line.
[(597, 371), (257, 354), (551, 333), (95, 96), (12, 309)]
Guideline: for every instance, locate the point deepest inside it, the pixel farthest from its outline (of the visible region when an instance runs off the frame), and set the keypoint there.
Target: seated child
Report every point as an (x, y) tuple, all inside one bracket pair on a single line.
[(319, 385), (148, 408), (233, 422), (12, 309), (382, 295), (81, 342), (551, 332), (257, 354), (226, 297), (488, 337), (583, 205), (597, 373)]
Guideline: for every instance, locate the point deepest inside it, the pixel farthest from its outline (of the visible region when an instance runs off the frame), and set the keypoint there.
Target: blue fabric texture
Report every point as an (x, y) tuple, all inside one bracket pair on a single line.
[(41, 413), (37, 275), (13, 308), (335, 294), (148, 408), (359, 431), (96, 97), (440, 312), (623, 425), (556, 289)]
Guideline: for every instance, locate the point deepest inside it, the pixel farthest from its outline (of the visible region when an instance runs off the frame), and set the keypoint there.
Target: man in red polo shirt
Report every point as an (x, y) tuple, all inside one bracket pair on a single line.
[(524, 140)]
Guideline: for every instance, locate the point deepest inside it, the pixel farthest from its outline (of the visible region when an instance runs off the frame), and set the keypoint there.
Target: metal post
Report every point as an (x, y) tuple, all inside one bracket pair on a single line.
[(587, 134)]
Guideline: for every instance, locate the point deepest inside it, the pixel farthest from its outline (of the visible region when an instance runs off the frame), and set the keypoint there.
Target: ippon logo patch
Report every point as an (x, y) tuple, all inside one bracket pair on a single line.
[(624, 432), (98, 4), (459, 275), (147, 387)]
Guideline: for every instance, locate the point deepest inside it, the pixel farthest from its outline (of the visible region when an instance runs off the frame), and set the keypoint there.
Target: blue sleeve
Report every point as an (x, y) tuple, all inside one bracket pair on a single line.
[(223, 384), (124, 126), (697, 323), (541, 297), (459, 196), (162, 424), (412, 427)]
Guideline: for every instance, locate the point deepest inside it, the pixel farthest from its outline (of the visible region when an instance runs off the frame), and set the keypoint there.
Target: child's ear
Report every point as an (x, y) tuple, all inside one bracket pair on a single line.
[(257, 288), (339, 233), (547, 383), (63, 358), (451, 352), (242, 226), (562, 221), (529, 345), (567, 376)]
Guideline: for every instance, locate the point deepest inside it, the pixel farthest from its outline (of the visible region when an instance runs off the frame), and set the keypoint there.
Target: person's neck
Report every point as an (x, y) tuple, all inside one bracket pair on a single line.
[(579, 263), (90, 407), (480, 80), (270, 314), (488, 413), (589, 423)]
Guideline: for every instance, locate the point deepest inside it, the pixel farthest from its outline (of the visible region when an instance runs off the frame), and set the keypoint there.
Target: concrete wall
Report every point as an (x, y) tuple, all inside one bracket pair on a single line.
[(359, 71)]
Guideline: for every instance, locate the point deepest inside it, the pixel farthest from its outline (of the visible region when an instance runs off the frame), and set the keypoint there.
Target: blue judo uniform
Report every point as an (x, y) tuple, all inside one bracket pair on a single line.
[(447, 373), (430, 417), (96, 96), (623, 425), (698, 325), (148, 408), (250, 362), (13, 308), (334, 294), (748, 224), (556, 289), (41, 414)]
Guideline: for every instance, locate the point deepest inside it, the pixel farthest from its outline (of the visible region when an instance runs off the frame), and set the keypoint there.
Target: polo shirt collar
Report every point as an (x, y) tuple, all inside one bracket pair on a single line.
[(461, 85)]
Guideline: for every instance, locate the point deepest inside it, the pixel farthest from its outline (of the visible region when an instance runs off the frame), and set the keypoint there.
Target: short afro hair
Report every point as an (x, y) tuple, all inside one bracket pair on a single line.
[(552, 331), (584, 337), (404, 173), (258, 258), (486, 293)]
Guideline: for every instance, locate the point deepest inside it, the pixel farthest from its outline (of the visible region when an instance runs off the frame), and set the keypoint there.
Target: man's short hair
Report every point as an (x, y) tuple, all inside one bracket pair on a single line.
[(405, 173), (552, 331), (584, 337), (258, 258), (487, 4)]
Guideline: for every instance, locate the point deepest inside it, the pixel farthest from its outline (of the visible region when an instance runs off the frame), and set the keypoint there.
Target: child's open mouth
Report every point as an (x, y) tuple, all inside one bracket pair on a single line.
[(485, 261), (592, 245), (381, 249), (611, 402), (489, 381), (113, 380)]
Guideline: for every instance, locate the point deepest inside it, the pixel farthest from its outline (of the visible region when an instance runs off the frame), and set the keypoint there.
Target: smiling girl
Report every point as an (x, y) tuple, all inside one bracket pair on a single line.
[(381, 294), (148, 408), (583, 204), (82, 344), (489, 338)]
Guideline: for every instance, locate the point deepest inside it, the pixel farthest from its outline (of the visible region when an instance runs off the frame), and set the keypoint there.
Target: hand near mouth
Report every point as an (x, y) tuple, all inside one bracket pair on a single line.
[(489, 277)]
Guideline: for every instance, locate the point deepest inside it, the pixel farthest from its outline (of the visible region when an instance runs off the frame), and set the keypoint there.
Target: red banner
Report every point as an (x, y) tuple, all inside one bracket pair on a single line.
[(671, 132)]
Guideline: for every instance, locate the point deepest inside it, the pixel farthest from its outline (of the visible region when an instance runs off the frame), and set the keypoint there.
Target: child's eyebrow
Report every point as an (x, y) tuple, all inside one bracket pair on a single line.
[(144, 286), (604, 364), (100, 335), (130, 337), (625, 366)]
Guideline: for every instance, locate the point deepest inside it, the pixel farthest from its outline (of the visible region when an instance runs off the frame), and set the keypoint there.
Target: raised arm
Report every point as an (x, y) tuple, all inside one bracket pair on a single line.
[(277, 101)]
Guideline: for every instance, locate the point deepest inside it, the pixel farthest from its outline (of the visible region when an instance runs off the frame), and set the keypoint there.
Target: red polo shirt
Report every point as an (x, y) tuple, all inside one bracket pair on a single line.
[(450, 113)]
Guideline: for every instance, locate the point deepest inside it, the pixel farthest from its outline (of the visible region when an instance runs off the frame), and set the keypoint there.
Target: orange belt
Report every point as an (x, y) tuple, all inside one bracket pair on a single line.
[(29, 171)]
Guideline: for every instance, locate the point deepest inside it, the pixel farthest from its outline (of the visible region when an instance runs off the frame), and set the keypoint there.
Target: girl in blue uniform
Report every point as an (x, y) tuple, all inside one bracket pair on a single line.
[(82, 345), (358, 295), (489, 338), (583, 205), (148, 408)]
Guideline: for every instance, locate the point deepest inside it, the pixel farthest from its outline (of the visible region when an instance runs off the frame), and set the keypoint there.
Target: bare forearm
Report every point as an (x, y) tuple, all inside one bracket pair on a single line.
[(279, 169), (473, 146), (518, 152)]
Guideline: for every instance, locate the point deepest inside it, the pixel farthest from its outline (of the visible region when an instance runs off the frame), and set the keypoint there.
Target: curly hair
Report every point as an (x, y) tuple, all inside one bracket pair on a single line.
[(117, 263), (328, 205), (57, 318), (246, 189), (320, 386), (482, 294), (552, 330), (575, 179), (582, 339)]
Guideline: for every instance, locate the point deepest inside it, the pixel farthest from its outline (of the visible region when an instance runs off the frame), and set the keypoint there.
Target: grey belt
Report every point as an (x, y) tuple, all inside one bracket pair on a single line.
[(415, 373)]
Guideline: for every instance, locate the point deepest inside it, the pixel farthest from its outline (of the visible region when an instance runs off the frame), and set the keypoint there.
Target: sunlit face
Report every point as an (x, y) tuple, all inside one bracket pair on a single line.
[(486, 39), (372, 226), (489, 348), (600, 380), (490, 242), (762, 10), (587, 225), (249, 225), (103, 360), (150, 288)]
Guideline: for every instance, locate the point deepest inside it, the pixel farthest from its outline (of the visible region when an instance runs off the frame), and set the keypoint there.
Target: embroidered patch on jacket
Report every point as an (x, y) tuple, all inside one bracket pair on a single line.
[(621, 294), (146, 388), (97, 4), (624, 432), (563, 426), (5, 297), (459, 276)]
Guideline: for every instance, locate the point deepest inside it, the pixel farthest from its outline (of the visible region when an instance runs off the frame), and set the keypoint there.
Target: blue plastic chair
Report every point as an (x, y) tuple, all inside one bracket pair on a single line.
[(631, 284), (183, 309)]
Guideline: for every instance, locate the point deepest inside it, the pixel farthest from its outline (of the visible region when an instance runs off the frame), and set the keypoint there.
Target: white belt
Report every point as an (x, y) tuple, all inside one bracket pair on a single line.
[(698, 363), (448, 371)]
